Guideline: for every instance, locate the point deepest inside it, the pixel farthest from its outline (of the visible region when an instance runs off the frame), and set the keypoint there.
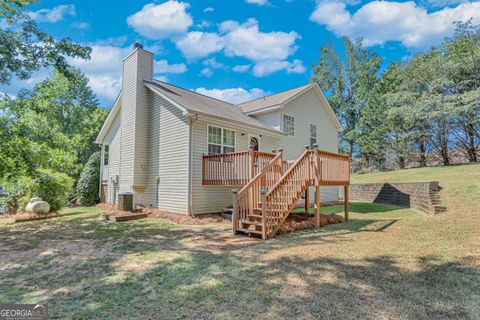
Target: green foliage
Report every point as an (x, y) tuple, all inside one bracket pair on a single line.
[(53, 126), (53, 187), (350, 81), (24, 48), (88, 184), (18, 192), (430, 104)]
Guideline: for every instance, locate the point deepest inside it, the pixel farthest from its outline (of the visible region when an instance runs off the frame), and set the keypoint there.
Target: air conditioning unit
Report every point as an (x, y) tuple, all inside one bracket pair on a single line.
[(125, 201)]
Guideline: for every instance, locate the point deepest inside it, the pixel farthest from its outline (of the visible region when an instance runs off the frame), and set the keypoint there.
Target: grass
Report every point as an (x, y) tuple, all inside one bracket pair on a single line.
[(386, 263)]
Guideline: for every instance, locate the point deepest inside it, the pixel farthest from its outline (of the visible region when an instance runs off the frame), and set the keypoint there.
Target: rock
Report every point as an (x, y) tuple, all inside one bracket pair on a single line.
[(38, 206)]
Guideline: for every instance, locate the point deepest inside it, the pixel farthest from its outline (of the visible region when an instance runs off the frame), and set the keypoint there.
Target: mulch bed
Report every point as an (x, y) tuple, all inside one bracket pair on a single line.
[(33, 217), (174, 217), (301, 221)]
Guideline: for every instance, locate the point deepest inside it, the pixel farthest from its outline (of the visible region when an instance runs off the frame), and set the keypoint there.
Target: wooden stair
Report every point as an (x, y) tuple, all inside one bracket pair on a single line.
[(262, 205)]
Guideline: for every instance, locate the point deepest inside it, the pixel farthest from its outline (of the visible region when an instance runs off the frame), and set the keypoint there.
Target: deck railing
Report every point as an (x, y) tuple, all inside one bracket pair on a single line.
[(233, 169), (248, 198)]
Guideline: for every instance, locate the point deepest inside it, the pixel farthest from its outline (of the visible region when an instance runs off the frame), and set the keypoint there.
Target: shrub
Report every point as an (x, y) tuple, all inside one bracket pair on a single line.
[(88, 184), (53, 187), (17, 194)]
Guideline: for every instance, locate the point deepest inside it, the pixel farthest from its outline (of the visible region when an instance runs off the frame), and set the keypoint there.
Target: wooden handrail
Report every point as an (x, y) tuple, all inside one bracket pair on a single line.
[(260, 174), (289, 170)]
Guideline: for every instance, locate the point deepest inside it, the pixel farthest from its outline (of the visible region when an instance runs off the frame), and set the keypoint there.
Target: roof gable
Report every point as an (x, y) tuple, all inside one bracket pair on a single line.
[(274, 99), (110, 118), (200, 104)]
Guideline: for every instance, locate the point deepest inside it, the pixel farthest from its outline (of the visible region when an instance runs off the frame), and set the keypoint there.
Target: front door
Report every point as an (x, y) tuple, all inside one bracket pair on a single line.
[(254, 141)]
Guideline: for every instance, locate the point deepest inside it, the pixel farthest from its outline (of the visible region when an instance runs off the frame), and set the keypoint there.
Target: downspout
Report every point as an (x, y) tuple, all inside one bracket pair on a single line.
[(191, 119), (102, 162)]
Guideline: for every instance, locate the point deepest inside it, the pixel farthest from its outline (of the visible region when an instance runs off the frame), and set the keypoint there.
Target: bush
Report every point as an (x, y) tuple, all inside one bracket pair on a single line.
[(18, 194), (88, 184), (53, 187)]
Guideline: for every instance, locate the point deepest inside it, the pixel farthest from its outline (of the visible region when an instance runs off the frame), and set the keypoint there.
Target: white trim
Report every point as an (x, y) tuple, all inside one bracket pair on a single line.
[(108, 122), (330, 111), (265, 110), (221, 138), (174, 103), (283, 124)]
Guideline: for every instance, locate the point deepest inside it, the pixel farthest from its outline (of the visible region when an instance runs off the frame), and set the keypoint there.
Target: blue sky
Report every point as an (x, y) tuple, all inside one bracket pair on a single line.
[(238, 50)]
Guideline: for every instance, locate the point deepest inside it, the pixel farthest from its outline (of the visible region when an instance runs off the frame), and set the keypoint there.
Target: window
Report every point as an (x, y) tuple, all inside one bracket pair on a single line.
[(105, 155), (288, 125), (313, 135), (220, 140)]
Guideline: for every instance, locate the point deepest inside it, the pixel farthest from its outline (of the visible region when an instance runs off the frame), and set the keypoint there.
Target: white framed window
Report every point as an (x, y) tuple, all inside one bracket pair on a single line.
[(313, 135), (288, 125), (220, 140)]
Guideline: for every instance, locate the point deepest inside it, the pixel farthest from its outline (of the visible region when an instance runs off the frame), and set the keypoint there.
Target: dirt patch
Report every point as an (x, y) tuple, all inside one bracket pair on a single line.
[(175, 217), (301, 221)]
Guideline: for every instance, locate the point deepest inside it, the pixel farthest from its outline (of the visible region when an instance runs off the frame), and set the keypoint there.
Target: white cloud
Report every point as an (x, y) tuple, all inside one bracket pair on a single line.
[(233, 95), (206, 72), (158, 21), (382, 21), (197, 44), (241, 68), (246, 40), (104, 69), (266, 67), (258, 2), (213, 63), (162, 66), (81, 25), (53, 15), (263, 48), (208, 9)]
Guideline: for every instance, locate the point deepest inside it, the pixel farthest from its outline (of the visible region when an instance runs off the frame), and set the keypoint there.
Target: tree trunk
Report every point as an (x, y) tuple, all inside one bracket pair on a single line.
[(471, 148), (421, 147), (401, 162)]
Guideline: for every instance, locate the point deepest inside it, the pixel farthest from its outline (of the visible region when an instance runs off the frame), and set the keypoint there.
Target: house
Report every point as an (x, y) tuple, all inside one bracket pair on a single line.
[(164, 143)]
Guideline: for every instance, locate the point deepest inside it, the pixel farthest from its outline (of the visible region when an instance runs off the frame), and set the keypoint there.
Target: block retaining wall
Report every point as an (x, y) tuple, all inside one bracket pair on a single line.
[(422, 196)]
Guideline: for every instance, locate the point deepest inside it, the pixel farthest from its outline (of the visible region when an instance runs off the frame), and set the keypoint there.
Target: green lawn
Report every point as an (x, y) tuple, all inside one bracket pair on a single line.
[(386, 262)]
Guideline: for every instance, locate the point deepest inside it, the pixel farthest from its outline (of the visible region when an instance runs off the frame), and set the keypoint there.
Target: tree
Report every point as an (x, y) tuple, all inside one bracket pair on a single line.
[(89, 181), (349, 82), (462, 52), (24, 48), (53, 126)]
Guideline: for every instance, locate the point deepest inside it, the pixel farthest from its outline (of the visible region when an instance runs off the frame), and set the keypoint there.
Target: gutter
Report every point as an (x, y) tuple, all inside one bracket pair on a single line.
[(191, 119)]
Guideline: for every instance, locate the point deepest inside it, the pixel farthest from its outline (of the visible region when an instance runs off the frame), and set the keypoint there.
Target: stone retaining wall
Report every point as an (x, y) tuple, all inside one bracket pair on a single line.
[(422, 196)]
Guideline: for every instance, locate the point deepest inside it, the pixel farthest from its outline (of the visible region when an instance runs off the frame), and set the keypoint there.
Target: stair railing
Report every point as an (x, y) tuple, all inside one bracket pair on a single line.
[(249, 197), (283, 196)]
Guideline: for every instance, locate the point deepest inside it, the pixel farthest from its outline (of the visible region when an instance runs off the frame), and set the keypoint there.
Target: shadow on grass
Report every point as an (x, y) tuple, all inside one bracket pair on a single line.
[(178, 280)]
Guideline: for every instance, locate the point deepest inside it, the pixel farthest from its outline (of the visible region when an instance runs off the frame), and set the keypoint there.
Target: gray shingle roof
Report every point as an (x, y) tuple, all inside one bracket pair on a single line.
[(198, 103), (273, 100)]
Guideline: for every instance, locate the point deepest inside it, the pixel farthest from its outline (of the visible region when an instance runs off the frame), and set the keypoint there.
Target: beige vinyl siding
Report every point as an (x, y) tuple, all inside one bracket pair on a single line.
[(134, 117), (167, 158), (207, 199), (113, 140), (307, 109), (271, 119)]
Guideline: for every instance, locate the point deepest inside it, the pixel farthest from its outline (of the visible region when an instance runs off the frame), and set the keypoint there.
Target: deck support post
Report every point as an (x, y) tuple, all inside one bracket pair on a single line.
[(307, 200), (346, 197), (251, 169), (235, 211), (263, 193), (318, 176)]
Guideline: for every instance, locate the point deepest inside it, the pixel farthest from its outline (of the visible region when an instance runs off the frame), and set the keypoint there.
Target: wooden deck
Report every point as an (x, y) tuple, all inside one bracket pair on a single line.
[(270, 187)]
